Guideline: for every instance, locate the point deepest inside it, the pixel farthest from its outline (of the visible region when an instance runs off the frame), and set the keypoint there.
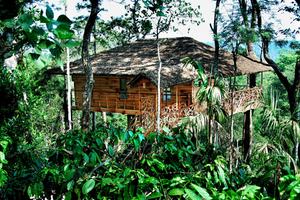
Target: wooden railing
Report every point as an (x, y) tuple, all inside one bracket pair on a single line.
[(242, 100)]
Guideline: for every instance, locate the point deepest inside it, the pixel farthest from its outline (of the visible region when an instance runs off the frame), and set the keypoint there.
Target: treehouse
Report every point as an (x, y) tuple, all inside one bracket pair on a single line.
[(126, 79)]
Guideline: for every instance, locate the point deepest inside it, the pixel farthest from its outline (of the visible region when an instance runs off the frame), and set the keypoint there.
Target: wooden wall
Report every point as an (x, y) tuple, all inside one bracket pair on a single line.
[(106, 94)]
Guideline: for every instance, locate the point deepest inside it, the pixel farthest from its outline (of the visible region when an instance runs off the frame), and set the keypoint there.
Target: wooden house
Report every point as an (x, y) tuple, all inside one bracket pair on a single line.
[(126, 78)]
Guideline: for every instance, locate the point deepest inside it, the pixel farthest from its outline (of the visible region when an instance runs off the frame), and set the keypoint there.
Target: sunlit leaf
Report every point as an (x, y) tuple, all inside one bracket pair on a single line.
[(203, 193), (88, 186), (192, 195), (176, 192)]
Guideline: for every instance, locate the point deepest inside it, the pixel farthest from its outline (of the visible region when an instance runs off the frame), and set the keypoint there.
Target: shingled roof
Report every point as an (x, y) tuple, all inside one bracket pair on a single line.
[(140, 58)]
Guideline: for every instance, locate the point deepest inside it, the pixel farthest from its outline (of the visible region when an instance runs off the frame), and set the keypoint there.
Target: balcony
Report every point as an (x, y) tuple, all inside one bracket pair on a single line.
[(242, 100)]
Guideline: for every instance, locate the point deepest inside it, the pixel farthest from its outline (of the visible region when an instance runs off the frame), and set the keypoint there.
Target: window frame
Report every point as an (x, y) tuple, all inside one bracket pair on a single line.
[(167, 95), (123, 89)]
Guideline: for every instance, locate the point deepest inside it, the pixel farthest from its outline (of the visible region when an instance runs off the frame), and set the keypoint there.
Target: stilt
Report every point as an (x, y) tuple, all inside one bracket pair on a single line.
[(104, 118), (93, 121), (248, 130), (130, 121)]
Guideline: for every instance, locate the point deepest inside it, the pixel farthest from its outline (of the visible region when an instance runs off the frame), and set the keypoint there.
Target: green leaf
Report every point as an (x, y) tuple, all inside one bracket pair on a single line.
[(166, 129), (130, 133), (176, 192), (39, 64), (106, 181), (249, 191), (127, 172), (191, 194), (68, 196), (111, 151), (99, 142), (204, 194), (161, 14), (25, 21), (69, 174), (85, 158), (63, 32), (2, 158), (93, 157), (49, 12), (64, 19), (72, 43), (4, 144), (9, 23), (136, 144), (141, 137), (154, 195), (88, 186), (222, 175), (56, 51), (70, 185), (35, 190)]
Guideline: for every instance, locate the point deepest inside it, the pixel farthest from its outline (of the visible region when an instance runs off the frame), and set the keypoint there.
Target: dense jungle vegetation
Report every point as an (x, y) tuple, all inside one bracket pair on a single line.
[(42, 158)]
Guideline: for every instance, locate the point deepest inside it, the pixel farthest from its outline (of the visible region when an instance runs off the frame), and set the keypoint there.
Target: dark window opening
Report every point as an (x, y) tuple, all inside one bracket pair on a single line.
[(123, 89), (167, 95)]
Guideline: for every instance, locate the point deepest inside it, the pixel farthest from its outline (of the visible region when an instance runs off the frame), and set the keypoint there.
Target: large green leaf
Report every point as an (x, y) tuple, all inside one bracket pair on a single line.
[(222, 175), (63, 32), (2, 158), (88, 186), (176, 192), (203, 193), (154, 195), (191, 195), (64, 19)]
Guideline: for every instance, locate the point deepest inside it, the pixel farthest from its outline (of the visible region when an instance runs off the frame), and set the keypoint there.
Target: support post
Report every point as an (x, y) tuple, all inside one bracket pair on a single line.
[(248, 129), (93, 121), (130, 121)]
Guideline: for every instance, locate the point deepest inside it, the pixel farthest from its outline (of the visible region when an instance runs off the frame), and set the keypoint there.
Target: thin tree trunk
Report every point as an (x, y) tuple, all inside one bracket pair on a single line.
[(89, 84), (297, 150), (158, 87), (158, 76), (68, 79), (231, 123), (69, 102), (216, 39), (235, 48)]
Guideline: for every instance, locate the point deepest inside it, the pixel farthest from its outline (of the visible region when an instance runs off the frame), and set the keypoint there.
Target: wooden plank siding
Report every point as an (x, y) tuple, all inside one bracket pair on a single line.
[(106, 94)]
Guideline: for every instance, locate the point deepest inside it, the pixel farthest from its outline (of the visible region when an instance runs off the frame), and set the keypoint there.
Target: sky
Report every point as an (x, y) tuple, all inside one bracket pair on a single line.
[(115, 9), (201, 33)]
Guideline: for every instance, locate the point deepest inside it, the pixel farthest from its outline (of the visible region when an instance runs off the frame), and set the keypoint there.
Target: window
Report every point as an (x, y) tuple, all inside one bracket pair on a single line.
[(123, 89), (167, 95)]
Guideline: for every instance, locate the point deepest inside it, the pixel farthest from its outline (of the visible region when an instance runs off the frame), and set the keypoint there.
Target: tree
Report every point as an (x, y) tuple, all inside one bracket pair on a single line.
[(89, 84), (248, 26), (266, 34)]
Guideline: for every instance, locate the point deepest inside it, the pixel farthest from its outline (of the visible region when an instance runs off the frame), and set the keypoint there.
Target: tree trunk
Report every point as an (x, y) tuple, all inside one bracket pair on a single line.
[(68, 79), (87, 94), (158, 88), (216, 39), (248, 130)]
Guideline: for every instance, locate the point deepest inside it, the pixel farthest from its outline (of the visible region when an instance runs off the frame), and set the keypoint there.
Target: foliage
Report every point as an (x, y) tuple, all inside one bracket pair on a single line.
[(113, 163), (29, 127)]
